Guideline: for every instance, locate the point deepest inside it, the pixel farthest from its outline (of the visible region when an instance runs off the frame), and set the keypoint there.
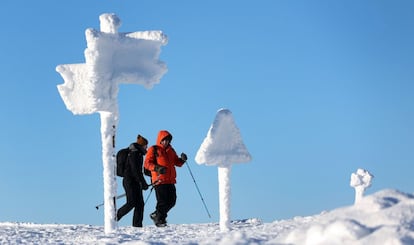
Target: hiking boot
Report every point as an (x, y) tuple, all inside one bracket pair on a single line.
[(157, 221), (161, 224), (153, 216)]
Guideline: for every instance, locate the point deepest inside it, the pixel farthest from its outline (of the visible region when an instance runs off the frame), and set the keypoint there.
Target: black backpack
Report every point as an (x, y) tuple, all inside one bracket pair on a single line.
[(121, 161)]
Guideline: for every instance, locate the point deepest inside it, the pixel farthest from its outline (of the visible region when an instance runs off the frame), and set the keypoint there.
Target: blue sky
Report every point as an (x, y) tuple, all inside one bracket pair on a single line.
[(317, 89)]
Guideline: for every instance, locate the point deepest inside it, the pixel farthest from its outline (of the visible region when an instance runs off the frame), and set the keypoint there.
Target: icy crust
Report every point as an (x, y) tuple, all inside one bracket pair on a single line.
[(157, 36), (126, 57), (223, 144), (77, 96), (362, 178)]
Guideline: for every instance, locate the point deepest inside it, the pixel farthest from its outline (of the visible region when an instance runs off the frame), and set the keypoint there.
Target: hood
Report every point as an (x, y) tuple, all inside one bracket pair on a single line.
[(161, 135)]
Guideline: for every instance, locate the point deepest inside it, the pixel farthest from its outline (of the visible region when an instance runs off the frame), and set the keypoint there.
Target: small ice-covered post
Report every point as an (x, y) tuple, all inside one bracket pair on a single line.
[(223, 146), (360, 181), (111, 58)]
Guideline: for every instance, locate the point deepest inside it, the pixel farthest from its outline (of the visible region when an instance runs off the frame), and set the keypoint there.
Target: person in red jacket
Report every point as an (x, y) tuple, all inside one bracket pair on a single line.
[(161, 160)]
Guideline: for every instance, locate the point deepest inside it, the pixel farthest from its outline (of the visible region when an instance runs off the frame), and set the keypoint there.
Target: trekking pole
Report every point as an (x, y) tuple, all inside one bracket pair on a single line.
[(122, 195), (116, 198), (195, 183), (146, 200), (152, 188)]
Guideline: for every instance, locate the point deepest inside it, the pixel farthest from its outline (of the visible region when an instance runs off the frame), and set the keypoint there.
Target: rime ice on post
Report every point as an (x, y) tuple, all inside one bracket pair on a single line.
[(360, 181), (223, 146), (111, 58)]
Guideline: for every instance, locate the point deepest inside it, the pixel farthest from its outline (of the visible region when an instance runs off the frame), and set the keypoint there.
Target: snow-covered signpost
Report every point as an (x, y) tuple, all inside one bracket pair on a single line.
[(111, 58), (223, 146), (360, 181)]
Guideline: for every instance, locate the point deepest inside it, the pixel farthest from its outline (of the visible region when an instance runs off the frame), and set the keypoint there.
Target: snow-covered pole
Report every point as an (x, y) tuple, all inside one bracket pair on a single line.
[(223, 146), (224, 175), (360, 180), (109, 124), (111, 58)]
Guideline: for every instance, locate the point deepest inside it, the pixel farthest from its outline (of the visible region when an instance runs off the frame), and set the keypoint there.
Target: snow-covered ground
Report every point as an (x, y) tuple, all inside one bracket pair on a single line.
[(385, 217)]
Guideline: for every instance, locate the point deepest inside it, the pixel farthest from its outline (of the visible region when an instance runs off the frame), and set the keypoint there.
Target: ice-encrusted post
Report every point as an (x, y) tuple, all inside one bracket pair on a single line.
[(111, 58), (224, 176), (223, 146), (360, 180)]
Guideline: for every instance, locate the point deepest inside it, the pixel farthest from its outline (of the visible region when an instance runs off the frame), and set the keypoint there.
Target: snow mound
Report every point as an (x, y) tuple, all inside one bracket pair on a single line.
[(386, 217)]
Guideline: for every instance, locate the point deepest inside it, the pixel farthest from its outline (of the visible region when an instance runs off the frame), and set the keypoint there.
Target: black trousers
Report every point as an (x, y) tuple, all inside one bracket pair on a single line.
[(166, 198), (135, 200)]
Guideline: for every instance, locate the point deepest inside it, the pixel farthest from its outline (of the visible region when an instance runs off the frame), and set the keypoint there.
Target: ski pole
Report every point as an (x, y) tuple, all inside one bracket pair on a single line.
[(146, 200), (116, 198), (152, 188), (122, 195), (195, 183)]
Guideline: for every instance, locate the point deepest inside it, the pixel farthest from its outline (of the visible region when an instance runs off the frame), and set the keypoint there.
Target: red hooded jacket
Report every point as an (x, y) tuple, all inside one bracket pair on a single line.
[(166, 157)]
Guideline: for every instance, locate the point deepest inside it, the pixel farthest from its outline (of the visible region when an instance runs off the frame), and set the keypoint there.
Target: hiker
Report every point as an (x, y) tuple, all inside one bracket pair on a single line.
[(134, 182), (161, 161)]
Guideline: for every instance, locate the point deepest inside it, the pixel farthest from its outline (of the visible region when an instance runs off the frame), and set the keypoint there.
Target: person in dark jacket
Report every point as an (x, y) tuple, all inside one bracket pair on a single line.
[(134, 182), (162, 165)]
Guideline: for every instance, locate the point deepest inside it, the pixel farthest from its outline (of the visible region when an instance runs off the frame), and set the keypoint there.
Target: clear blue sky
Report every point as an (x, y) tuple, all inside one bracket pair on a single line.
[(317, 89)]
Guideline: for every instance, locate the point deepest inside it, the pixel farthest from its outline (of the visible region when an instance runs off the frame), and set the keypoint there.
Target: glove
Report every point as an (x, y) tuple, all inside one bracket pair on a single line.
[(183, 157), (144, 186), (159, 169)]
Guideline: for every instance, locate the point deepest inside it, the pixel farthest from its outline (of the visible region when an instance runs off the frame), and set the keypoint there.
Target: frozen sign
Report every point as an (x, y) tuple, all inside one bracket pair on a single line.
[(222, 147), (360, 180), (111, 58)]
